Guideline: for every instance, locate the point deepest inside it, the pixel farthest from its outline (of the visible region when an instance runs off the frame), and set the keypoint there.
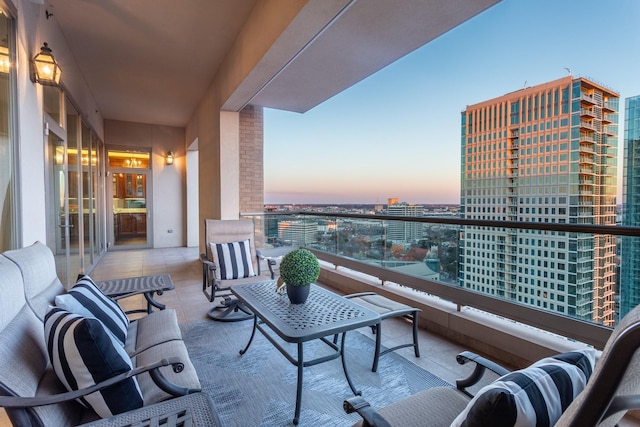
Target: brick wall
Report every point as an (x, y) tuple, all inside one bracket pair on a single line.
[(251, 160), (251, 163)]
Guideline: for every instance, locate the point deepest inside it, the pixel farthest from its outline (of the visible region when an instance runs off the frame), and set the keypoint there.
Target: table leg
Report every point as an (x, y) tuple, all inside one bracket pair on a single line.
[(253, 333), (296, 416), (344, 367)]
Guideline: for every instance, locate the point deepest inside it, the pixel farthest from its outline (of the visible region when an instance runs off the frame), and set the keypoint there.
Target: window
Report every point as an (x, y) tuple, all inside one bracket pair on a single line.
[(8, 219)]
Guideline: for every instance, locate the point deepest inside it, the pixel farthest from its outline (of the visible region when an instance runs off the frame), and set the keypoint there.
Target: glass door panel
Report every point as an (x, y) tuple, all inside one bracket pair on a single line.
[(87, 163), (97, 151), (130, 208), (76, 186), (58, 220), (130, 173)]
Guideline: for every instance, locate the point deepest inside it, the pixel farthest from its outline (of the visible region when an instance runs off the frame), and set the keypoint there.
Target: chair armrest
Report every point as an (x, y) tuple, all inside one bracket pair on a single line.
[(370, 417), (271, 262), (622, 403), (359, 294), (208, 271), (482, 364), (207, 263), (26, 402)]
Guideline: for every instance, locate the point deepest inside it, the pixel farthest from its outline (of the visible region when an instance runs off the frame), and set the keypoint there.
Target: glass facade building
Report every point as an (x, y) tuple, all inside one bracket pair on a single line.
[(545, 153), (630, 253)]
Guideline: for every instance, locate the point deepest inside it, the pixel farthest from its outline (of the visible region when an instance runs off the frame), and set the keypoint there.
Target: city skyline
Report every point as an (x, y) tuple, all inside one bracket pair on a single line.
[(397, 133)]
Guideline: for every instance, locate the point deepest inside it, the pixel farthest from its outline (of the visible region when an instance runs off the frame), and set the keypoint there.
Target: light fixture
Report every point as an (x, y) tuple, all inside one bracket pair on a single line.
[(169, 158), (5, 63), (133, 162), (45, 69)]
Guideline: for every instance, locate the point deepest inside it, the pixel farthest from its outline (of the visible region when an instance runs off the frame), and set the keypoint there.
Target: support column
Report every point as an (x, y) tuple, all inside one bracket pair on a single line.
[(229, 165)]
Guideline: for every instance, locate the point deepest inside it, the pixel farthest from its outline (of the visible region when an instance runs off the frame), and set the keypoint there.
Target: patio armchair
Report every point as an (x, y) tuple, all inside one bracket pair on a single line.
[(584, 397), (230, 259)]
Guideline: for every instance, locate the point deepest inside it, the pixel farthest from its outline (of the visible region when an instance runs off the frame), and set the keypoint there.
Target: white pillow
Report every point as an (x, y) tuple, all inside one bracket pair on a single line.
[(233, 260), (535, 396), (87, 300)]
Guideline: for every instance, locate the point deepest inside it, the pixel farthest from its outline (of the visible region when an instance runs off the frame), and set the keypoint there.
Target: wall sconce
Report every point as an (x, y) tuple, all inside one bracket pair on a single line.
[(45, 69), (169, 158)]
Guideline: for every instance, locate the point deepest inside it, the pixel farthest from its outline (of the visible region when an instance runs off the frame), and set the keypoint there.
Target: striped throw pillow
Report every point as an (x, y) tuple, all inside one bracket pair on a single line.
[(233, 260), (87, 300), (535, 396), (83, 353)]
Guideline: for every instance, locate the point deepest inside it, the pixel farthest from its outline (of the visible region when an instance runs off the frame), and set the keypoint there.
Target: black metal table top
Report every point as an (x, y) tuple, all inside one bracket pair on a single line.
[(136, 285), (324, 313), (195, 409)]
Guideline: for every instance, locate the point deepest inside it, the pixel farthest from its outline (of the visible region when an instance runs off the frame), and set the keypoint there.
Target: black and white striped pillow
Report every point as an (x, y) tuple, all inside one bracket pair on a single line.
[(233, 260), (83, 353), (536, 396), (87, 300)]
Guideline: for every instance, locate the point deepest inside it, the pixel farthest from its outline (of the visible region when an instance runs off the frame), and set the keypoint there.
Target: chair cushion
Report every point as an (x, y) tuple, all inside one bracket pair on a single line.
[(87, 300), (155, 328), (83, 353), (535, 396), (233, 260)]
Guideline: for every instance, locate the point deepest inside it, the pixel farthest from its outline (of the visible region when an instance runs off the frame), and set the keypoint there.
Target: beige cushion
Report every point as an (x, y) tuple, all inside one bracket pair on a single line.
[(434, 407), (154, 328), (187, 378)]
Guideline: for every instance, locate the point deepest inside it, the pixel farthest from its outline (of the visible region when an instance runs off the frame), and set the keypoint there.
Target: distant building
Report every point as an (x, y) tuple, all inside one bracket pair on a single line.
[(630, 254), (423, 270), (297, 233), (404, 231), (545, 153)]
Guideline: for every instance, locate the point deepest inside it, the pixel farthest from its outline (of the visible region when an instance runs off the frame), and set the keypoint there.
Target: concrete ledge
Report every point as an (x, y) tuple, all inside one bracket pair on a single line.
[(509, 343)]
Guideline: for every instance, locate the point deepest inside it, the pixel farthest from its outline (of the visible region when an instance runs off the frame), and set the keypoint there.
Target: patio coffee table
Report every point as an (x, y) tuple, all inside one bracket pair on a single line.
[(324, 314), (146, 285)]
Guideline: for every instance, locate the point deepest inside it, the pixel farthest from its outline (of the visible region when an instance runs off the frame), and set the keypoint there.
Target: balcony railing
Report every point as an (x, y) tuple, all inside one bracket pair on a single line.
[(428, 254)]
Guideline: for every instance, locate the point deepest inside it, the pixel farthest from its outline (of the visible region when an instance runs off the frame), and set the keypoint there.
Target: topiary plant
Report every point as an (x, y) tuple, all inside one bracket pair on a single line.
[(300, 267)]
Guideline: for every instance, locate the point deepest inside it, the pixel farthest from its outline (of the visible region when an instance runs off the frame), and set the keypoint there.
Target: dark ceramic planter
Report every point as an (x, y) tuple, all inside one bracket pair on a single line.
[(298, 294)]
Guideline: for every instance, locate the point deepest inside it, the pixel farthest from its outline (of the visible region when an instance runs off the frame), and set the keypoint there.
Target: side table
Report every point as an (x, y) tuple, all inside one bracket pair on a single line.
[(194, 410), (146, 285)]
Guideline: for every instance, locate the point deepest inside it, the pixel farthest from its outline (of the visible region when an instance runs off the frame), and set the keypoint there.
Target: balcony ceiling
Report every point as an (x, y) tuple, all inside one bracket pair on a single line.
[(151, 61)]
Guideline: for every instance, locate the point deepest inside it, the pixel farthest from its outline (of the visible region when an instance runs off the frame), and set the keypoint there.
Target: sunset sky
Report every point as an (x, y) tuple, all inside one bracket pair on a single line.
[(397, 133)]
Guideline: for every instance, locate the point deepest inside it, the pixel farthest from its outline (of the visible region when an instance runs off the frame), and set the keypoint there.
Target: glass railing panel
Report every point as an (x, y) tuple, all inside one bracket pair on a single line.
[(531, 271)]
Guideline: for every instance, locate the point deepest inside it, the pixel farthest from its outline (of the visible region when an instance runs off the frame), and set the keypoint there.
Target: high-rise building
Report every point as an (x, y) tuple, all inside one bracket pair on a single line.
[(404, 231), (630, 254), (545, 153), (298, 233)]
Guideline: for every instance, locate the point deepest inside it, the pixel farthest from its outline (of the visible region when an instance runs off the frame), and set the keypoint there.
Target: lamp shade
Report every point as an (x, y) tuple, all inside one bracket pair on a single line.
[(169, 158), (46, 70)]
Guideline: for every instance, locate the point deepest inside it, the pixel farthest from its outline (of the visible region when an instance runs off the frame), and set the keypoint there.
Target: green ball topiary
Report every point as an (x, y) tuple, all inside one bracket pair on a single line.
[(300, 267)]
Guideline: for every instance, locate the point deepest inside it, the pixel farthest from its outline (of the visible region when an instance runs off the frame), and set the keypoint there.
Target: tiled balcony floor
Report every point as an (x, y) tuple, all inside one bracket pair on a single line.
[(437, 354)]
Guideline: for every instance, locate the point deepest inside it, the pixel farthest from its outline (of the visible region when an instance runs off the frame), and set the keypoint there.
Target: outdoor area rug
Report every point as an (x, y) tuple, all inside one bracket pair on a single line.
[(259, 387)]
